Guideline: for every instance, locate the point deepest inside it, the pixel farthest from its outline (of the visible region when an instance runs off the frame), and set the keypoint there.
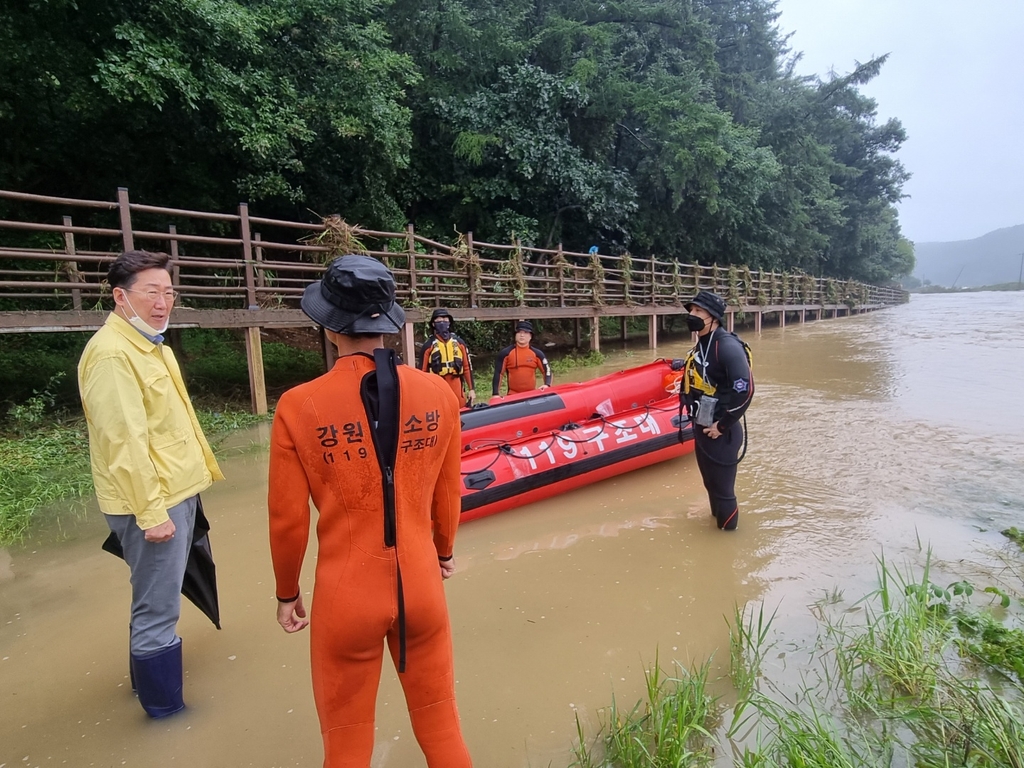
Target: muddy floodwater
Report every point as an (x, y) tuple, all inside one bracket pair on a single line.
[(895, 431)]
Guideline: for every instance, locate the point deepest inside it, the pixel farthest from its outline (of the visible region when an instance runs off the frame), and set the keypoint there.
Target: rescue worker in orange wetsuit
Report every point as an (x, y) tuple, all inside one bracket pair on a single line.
[(376, 445), (446, 355), (521, 362)]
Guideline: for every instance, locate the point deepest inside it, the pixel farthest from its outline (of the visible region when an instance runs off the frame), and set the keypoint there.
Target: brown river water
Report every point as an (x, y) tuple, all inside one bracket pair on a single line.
[(888, 432)]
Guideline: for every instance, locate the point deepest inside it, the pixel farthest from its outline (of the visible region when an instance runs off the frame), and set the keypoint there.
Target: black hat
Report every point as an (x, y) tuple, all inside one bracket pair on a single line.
[(524, 325), (712, 302), (356, 295), (441, 312)]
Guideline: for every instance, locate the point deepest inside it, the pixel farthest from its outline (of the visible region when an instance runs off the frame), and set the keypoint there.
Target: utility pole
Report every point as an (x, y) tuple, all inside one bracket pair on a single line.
[(957, 277), (1021, 273)]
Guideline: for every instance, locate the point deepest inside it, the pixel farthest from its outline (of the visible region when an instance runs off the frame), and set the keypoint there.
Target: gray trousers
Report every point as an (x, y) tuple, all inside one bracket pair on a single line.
[(157, 573)]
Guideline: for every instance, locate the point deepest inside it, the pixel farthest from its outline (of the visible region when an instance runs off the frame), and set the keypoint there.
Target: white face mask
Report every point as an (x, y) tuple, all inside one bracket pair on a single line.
[(141, 325)]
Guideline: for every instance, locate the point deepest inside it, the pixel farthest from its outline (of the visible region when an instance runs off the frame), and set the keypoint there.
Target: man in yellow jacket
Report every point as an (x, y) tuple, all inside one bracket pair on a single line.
[(150, 460)]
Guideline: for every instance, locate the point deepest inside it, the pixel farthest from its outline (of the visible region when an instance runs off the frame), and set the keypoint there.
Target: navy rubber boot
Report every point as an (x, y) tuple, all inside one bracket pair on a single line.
[(158, 680)]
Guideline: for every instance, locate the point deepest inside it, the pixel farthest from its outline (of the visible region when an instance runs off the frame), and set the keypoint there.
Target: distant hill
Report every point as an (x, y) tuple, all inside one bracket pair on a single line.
[(986, 260)]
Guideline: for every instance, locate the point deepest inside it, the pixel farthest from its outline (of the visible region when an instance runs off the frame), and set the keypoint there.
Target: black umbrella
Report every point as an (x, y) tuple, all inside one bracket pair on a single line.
[(200, 582)]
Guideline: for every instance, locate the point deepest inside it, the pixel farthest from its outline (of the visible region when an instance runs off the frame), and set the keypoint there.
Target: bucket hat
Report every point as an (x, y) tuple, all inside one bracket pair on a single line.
[(356, 295), (709, 301), (441, 312), (524, 325)]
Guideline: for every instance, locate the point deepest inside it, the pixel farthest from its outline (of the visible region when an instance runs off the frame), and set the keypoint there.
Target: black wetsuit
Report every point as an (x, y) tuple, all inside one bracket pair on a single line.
[(720, 361)]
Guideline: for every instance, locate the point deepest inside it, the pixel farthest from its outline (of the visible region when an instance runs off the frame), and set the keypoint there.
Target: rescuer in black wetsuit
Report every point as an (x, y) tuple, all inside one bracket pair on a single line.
[(717, 388)]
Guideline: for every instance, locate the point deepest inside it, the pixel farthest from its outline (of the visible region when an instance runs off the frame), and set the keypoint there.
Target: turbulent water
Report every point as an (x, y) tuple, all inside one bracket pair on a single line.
[(889, 433)]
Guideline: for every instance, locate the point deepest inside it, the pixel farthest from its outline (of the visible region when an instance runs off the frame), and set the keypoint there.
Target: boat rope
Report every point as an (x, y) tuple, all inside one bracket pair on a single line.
[(559, 434)]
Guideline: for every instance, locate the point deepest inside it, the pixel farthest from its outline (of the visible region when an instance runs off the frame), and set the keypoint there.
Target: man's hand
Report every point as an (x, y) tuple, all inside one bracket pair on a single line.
[(158, 534), (447, 568), (496, 398), (471, 397), (292, 616), (712, 431), (542, 387)]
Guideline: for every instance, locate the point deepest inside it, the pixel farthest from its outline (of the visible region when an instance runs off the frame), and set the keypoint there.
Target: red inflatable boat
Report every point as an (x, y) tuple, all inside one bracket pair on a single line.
[(535, 445)]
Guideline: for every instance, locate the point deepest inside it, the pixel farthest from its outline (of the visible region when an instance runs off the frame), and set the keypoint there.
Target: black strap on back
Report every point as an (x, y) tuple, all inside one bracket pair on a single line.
[(387, 453)]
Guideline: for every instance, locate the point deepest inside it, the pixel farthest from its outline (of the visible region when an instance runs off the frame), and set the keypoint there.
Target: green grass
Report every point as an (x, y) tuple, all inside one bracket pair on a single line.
[(913, 675), (672, 727), (1016, 536), (47, 466), (45, 461), (573, 360), (214, 364)]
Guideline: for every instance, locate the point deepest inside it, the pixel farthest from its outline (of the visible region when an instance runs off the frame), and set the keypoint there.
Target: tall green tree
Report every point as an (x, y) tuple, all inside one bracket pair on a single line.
[(668, 127), (204, 102)]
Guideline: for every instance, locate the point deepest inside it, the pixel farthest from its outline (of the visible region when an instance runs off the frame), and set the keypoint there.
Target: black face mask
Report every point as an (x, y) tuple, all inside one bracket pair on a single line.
[(443, 329), (694, 323)]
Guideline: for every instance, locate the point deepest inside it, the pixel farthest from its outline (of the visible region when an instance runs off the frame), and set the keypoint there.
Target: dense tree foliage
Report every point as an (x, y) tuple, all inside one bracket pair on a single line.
[(674, 127)]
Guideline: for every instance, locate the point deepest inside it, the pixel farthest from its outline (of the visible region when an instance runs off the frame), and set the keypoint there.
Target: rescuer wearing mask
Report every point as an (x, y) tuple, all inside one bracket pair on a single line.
[(717, 388), (376, 446), (446, 355)]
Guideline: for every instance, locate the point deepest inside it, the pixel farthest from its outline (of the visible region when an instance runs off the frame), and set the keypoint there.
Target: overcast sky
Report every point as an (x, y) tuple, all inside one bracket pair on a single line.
[(955, 79)]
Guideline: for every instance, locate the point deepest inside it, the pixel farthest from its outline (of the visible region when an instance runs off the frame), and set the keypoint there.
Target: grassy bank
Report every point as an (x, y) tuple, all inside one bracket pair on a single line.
[(913, 674), (44, 460)]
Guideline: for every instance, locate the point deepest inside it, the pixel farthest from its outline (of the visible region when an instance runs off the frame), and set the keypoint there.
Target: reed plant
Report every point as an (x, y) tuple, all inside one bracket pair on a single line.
[(913, 675), (748, 644), (671, 727), (902, 677)]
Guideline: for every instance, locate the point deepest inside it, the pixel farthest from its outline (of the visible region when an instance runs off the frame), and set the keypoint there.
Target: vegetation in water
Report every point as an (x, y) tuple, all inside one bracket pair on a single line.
[(1015, 535), (913, 674), (44, 458), (671, 727), (574, 360)]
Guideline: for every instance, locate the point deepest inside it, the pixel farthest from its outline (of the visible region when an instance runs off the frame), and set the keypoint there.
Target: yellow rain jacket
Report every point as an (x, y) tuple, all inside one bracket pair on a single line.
[(147, 449)]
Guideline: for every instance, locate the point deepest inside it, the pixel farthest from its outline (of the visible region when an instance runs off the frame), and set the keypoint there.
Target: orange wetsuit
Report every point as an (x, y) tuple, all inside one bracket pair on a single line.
[(377, 572), (521, 365)]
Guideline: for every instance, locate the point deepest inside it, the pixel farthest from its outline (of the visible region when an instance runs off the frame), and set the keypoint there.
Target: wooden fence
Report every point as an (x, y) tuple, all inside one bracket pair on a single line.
[(235, 270)]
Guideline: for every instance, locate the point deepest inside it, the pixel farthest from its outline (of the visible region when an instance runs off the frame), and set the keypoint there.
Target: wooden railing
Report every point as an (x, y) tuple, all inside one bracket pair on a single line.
[(58, 261)]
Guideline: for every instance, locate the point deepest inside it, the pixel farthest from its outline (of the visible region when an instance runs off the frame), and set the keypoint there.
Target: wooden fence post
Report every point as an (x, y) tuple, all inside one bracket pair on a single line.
[(172, 231), (654, 286), (410, 249), (470, 269), (125, 213), (261, 278), (257, 377), (250, 273), (72, 266), (652, 331), (330, 351), (561, 279), (409, 344), (253, 338)]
